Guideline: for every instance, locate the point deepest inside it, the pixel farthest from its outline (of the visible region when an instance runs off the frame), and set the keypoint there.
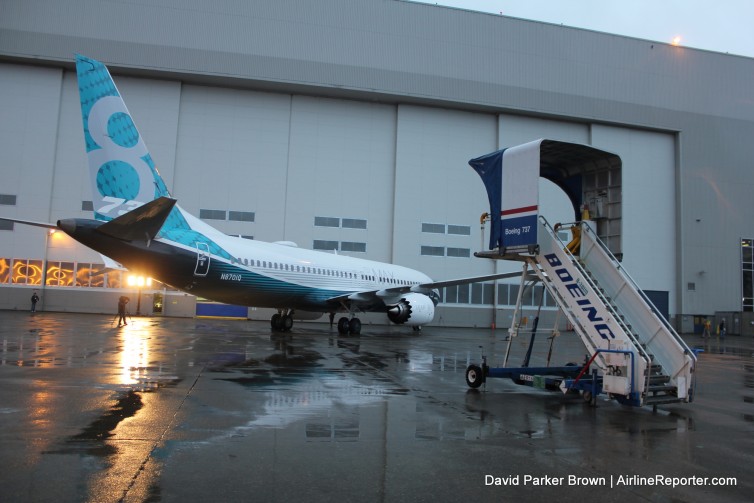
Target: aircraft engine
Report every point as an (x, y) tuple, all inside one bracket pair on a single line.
[(413, 309)]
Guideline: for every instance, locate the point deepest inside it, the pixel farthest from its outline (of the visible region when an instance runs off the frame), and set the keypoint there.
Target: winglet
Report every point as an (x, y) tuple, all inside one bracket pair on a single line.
[(143, 223)]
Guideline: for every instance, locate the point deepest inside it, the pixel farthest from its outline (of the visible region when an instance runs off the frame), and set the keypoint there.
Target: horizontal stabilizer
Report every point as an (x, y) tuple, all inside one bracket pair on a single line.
[(30, 222), (143, 223), (111, 265)]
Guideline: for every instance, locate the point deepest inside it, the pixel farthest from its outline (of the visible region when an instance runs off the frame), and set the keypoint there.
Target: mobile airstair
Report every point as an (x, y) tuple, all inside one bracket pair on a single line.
[(635, 355)]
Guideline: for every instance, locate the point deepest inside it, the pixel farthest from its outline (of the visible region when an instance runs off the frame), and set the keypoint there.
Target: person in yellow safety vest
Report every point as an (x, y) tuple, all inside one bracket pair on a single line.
[(706, 324)]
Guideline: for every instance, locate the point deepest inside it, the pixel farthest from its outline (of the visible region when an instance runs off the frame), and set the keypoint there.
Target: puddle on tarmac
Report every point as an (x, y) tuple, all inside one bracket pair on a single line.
[(93, 439)]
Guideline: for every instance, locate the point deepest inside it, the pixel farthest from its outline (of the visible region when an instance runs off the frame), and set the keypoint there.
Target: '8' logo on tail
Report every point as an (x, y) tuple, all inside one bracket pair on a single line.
[(123, 176)]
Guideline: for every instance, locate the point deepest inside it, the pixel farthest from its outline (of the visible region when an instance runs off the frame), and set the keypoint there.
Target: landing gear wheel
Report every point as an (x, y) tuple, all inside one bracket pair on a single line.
[(343, 326), (474, 376), (354, 326), (417, 328), (281, 322)]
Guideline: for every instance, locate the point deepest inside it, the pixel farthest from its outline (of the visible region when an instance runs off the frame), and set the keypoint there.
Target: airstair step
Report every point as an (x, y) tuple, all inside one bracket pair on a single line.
[(658, 379), (660, 388), (660, 399)]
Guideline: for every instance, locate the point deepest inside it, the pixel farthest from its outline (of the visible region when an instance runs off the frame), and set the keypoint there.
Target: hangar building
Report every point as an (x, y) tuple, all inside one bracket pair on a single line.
[(348, 125)]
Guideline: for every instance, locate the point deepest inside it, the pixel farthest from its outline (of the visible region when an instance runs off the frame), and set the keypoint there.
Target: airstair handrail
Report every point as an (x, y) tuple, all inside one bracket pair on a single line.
[(622, 270), (611, 309)]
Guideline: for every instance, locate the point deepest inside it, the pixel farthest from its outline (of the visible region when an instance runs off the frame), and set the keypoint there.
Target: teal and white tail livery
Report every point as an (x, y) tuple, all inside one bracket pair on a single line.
[(122, 171)]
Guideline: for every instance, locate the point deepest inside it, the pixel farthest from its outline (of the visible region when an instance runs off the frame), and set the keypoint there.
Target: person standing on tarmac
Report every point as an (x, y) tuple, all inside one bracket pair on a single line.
[(34, 300), (122, 301)]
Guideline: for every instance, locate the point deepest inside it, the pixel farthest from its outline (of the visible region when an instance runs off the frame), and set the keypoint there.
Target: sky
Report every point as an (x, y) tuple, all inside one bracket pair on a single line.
[(721, 26)]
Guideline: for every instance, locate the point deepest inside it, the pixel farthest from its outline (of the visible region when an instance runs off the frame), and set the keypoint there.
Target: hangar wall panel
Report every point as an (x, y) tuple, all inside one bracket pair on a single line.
[(648, 204), (434, 184), (718, 161), (518, 129), (233, 155), (29, 107), (341, 166)]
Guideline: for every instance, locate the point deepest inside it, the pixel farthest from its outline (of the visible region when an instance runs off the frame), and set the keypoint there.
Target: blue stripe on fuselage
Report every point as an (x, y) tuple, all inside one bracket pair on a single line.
[(238, 285)]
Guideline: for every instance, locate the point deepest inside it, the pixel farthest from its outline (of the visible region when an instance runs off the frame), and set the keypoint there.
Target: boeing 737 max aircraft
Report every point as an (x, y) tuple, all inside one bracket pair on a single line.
[(138, 224)]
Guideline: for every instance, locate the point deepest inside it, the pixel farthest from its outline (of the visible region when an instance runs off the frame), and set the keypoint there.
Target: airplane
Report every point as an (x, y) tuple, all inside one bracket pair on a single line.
[(140, 225)]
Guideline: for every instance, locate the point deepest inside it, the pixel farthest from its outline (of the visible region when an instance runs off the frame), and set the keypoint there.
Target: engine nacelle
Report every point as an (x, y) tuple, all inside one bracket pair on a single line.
[(413, 309)]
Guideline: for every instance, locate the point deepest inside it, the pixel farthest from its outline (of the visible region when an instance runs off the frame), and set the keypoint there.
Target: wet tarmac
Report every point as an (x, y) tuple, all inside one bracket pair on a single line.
[(215, 410)]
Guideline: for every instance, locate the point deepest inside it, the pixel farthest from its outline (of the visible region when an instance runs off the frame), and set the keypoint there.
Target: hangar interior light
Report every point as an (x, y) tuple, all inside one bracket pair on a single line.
[(139, 281)]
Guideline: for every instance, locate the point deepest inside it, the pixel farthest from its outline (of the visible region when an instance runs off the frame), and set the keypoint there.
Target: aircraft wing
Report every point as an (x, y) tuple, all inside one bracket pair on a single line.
[(393, 295), (464, 281), (110, 265)]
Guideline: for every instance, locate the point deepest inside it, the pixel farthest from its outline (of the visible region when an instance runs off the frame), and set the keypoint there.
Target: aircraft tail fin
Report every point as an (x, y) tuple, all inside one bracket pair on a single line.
[(121, 170)]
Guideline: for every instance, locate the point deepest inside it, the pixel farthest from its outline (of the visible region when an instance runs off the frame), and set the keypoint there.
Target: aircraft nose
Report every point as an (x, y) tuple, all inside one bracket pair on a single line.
[(67, 225)]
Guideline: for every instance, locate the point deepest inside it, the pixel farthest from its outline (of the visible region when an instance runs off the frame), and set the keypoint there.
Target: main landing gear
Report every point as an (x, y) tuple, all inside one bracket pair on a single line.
[(346, 326), (282, 321)]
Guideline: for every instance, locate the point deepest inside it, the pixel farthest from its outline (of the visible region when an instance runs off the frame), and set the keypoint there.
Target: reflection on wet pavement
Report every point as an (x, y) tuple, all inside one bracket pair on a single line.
[(176, 409)]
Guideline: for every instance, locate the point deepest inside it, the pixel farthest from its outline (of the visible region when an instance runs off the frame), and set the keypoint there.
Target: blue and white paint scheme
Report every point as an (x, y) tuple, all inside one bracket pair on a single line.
[(138, 224), (513, 190)]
